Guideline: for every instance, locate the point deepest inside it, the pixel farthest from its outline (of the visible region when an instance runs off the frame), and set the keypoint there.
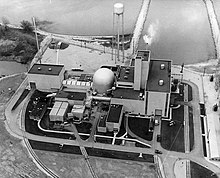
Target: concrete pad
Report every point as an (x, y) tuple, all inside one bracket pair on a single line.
[(79, 57), (180, 168)]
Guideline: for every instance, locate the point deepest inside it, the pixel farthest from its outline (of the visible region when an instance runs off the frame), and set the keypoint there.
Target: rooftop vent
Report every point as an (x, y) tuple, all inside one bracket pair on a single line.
[(38, 68), (161, 82), (50, 69), (162, 66), (125, 77)]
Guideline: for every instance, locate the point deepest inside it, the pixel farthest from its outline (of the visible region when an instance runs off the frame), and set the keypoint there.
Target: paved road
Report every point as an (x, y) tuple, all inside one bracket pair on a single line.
[(169, 157)]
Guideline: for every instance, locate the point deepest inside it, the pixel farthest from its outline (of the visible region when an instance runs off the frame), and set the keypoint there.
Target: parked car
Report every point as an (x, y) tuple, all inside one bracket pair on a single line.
[(171, 123), (159, 138)]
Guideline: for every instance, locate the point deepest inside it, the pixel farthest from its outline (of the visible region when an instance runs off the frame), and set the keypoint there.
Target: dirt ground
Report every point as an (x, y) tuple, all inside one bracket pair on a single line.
[(68, 166), (14, 159)]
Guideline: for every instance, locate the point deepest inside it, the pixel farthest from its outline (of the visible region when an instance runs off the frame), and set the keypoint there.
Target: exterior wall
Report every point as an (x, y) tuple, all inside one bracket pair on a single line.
[(137, 74), (134, 106), (167, 106), (53, 114), (71, 102), (45, 82), (124, 84), (117, 126), (102, 129), (156, 100), (144, 73), (61, 75), (110, 126)]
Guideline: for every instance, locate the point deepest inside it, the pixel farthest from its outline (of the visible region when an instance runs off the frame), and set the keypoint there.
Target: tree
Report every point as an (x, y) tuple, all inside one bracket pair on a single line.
[(5, 22), (2, 31), (27, 26)]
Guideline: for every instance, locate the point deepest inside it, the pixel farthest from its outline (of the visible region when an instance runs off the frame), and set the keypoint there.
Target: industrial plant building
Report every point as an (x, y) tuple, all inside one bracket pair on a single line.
[(142, 88), (46, 76)]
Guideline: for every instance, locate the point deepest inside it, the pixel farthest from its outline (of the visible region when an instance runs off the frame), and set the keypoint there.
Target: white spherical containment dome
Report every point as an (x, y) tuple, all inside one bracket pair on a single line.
[(103, 80), (118, 8)]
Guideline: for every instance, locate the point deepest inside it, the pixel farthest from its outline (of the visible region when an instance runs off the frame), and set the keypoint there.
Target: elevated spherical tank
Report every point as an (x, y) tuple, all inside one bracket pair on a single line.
[(118, 8), (103, 80)]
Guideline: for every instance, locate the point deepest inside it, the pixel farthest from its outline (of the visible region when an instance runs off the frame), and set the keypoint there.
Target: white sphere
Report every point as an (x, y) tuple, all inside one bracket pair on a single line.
[(103, 80), (118, 8)]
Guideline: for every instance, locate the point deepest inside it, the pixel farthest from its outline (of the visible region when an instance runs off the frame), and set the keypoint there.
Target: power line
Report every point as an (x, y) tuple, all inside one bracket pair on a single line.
[(172, 143)]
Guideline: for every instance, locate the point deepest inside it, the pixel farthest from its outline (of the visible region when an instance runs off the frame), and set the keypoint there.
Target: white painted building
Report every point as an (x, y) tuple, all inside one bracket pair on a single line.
[(46, 76)]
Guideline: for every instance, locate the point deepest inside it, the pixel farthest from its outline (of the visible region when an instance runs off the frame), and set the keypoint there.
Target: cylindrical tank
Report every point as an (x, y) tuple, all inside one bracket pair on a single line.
[(118, 8), (103, 80)]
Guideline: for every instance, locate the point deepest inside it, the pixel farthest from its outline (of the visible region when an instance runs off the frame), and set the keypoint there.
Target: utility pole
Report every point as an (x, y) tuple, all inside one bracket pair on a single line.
[(123, 40), (204, 71), (35, 31)]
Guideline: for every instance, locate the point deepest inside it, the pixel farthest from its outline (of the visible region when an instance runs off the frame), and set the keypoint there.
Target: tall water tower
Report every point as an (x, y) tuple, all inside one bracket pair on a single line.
[(119, 12)]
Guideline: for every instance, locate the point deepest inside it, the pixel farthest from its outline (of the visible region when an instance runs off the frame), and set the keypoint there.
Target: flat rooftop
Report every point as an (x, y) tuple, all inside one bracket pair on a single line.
[(71, 95), (114, 113), (126, 74), (145, 54), (46, 69), (126, 93), (160, 70)]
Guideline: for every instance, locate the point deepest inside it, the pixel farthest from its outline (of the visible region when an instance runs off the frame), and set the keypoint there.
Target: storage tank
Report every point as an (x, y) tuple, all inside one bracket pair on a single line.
[(103, 80), (118, 8)]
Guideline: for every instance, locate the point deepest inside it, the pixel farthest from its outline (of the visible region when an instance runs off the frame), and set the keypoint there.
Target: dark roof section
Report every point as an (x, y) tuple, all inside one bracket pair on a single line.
[(145, 54), (114, 69), (38, 109), (46, 69), (82, 77), (159, 70), (114, 113), (125, 93), (102, 121), (126, 74), (80, 96)]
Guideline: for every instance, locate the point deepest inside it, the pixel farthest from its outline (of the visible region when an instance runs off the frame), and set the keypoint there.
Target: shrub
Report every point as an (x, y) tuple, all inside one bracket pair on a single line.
[(5, 23), (26, 57), (27, 26)]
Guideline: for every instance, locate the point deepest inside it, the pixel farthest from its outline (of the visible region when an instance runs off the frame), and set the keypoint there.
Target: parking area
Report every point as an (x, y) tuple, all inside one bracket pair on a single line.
[(172, 136)]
